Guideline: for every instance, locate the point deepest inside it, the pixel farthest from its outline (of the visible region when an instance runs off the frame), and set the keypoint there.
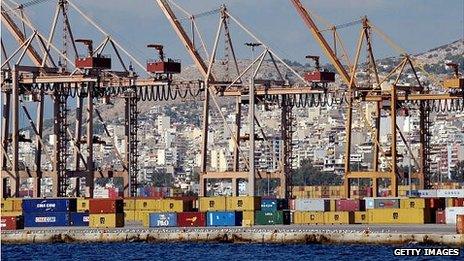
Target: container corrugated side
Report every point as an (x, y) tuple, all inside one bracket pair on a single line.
[(212, 204), (224, 218), (338, 217), (191, 219), (274, 204), (243, 203), (163, 220), (272, 217), (314, 204), (106, 220), (308, 217), (46, 219), (451, 213), (49, 205), (79, 219)]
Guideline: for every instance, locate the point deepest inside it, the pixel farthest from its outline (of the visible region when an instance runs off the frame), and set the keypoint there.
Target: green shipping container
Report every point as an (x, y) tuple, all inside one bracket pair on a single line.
[(272, 218)]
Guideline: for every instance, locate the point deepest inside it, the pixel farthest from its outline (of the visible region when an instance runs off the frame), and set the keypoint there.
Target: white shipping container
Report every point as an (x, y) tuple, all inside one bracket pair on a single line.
[(427, 193), (450, 214), (312, 204), (450, 193), (101, 193)]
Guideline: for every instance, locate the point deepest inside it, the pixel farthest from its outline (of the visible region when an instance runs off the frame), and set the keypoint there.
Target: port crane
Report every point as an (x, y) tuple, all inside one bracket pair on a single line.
[(396, 94)]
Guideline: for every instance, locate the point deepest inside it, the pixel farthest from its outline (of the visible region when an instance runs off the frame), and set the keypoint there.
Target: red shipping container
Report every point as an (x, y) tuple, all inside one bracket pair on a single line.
[(436, 203), (350, 205), (11, 223), (191, 219), (440, 217), (458, 202), (106, 206)]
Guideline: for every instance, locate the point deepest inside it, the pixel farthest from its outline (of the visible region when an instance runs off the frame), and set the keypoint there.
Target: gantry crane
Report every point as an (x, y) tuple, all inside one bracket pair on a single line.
[(374, 94)]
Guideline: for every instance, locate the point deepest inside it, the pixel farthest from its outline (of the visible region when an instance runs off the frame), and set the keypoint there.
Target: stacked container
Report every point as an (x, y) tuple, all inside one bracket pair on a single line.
[(11, 214), (48, 212), (273, 212), (106, 213)]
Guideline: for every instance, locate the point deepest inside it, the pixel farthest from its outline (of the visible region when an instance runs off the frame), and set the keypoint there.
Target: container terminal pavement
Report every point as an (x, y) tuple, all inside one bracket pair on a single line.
[(439, 216)]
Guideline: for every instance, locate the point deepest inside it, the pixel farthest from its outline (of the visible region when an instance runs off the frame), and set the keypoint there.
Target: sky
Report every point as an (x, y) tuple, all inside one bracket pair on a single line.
[(416, 25)]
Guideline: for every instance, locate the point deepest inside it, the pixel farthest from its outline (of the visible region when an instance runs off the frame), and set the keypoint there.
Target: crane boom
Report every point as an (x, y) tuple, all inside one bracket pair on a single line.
[(20, 38), (322, 42), (199, 62)]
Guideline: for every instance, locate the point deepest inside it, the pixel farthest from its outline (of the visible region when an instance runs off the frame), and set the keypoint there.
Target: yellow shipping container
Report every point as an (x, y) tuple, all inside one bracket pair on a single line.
[(212, 204), (172, 205), (106, 220), (397, 216), (308, 217), (333, 205), (82, 205), (338, 217), (248, 218), (148, 204), (11, 213), (12, 204), (243, 203), (129, 204), (7, 205), (129, 215), (143, 216), (412, 203), (360, 217)]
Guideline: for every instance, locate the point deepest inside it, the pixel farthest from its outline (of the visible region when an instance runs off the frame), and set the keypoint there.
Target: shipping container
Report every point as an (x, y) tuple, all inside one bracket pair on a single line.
[(458, 202), (129, 215), (106, 220), (372, 203), (163, 219), (12, 222), (243, 203), (83, 205), (333, 204), (338, 217), (212, 204), (437, 203), (79, 219), (144, 217), (414, 203), (106, 206), (46, 219), (11, 213), (450, 193), (11, 205), (248, 218), (398, 216), (175, 205), (272, 217), (360, 217), (308, 217), (129, 204), (350, 205), (148, 204), (314, 204), (427, 193), (49, 205), (273, 204), (440, 217), (451, 213), (191, 219), (224, 218)]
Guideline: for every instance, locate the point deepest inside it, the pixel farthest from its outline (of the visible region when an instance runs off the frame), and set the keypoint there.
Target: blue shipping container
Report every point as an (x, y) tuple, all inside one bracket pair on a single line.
[(224, 218), (273, 204), (163, 219), (49, 205), (46, 219), (79, 219)]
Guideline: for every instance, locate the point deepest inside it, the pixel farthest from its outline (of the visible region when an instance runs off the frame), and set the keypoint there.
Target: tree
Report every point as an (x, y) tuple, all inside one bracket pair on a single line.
[(307, 175)]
